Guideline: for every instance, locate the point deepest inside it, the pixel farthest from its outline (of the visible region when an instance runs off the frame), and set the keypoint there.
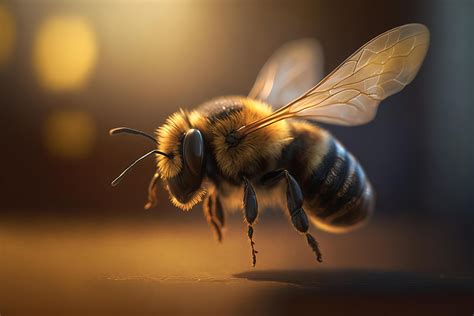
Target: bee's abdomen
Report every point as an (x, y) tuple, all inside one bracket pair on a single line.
[(337, 194)]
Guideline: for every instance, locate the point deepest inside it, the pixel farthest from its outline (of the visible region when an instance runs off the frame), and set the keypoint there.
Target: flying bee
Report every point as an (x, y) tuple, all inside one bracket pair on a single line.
[(237, 152)]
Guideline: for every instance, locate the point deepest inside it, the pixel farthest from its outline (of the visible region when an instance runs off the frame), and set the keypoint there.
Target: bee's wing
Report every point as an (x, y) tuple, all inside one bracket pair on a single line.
[(351, 93), (291, 70)]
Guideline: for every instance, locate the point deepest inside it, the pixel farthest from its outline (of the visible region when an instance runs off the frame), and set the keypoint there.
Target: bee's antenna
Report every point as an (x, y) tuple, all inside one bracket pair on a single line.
[(119, 178), (127, 130)]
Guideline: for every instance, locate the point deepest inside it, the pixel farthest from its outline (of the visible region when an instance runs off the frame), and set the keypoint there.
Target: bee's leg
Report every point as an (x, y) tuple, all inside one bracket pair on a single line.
[(214, 214), (294, 199), (250, 211), (152, 192)]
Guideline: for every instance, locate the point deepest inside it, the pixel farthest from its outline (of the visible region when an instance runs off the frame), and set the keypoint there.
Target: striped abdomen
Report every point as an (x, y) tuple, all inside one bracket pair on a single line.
[(337, 194)]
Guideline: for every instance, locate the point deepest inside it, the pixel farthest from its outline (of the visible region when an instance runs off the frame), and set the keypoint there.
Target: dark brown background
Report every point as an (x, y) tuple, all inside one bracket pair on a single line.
[(156, 56), (417, 152)]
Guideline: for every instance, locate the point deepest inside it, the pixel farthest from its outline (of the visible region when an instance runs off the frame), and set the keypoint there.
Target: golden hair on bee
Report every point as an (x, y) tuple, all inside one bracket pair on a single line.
[(262, 145), (169, 137), (195, 199)]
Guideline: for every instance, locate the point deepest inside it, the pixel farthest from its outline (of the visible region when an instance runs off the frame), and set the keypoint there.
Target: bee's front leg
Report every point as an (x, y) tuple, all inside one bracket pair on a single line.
[(250, 207), (152, 192), (294, 199), (214, 213)]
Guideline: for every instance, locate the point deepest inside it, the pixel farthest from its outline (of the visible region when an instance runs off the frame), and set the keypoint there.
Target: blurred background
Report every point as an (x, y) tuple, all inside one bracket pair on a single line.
[(72, 69)]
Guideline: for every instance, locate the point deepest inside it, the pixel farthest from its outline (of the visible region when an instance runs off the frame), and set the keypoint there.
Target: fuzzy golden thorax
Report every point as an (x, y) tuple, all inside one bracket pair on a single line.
[(255, 151)]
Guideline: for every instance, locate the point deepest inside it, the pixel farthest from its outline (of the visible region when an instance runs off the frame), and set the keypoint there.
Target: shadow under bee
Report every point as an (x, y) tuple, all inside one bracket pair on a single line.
[(365, 292)]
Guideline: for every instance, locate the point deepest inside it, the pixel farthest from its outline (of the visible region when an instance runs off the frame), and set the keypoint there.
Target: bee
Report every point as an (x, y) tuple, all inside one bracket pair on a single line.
[(239, 152)]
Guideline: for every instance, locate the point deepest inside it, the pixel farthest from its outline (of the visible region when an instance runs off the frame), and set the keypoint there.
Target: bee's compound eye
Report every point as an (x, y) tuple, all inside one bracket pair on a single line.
[(193, 150)]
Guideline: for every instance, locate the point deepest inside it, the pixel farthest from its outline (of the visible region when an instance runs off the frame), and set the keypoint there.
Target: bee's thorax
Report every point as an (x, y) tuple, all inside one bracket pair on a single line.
[(233, 139)]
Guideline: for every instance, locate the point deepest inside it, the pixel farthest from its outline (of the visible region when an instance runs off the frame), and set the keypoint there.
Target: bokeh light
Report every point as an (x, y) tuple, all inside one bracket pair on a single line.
[(69, 134), (7, 35), (65, 52)]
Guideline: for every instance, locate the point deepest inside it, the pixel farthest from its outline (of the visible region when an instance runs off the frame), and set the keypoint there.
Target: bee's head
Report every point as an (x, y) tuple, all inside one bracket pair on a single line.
[(183, 169), (181, 158), (185, 187)]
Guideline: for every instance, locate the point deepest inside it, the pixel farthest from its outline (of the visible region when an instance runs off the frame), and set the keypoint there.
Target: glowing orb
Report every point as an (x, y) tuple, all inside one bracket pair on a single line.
[(69, 134), (7, 35), (65, 52)]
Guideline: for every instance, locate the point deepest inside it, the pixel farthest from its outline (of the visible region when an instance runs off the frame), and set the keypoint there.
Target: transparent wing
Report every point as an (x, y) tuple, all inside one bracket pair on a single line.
[(351, 94), (290, 71)]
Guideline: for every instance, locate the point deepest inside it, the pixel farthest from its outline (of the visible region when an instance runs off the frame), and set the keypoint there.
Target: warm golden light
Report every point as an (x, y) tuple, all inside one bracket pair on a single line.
[(7, 35), (69, 134), (65, 52)]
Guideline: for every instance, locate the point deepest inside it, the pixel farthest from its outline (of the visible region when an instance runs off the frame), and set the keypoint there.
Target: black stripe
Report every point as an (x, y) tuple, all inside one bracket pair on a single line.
[(220, 108), (357, 213), (315, 181), (355, 184), (293, 155), (335, 179), (224, 113)]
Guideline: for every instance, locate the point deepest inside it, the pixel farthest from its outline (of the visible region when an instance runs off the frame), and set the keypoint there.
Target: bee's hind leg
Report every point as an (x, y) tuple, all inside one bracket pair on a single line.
[(294, 199), (214, 213), (250, 206)]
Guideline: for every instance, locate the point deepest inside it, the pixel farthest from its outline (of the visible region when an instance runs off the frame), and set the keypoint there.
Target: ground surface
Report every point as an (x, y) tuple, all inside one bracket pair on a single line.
[(169, 267)]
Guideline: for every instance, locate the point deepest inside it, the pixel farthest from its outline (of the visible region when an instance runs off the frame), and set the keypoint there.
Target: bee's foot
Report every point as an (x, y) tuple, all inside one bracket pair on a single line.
[(252, 244), (315, 246)]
